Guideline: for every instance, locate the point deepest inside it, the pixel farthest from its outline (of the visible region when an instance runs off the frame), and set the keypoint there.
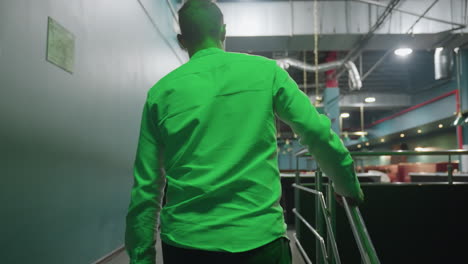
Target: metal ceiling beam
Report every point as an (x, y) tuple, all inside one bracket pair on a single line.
[(377, 64), (336, 42), (311, 85), (371, 2), (359, 46), (383, 100), (409, 31), (295, 18)]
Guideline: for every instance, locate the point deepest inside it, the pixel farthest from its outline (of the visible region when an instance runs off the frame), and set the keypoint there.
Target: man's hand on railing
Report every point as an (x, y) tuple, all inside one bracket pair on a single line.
[(351, 201)]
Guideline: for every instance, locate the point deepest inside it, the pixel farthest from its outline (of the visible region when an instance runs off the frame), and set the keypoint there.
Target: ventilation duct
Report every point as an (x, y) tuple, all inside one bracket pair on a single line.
[(354, 78), (288, 62), (443, 63)]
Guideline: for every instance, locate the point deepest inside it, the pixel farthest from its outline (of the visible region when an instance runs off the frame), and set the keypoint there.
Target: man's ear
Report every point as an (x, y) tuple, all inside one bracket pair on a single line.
[(223, 33), (180, 40)]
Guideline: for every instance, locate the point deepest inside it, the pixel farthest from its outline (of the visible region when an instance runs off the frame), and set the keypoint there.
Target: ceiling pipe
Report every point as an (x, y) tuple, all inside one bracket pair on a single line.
[(289, 62), (354, 77), (331, 80), (313, 86)]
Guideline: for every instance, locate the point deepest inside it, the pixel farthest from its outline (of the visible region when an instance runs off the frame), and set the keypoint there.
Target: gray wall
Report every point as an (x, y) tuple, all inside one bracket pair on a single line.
[(67, 141)]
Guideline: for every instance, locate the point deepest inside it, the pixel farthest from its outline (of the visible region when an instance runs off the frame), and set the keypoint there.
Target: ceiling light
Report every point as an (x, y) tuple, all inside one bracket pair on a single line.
[(346, 138), (458, 120), (382, 140), (369, 99), (419, 131), (403, 52), (363, 138), (359, 146), (441, 126), (344, 115), (402, 135), (367, 143)]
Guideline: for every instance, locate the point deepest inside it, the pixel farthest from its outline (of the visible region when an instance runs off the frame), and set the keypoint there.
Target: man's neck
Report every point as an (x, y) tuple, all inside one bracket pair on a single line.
[(205, 45)]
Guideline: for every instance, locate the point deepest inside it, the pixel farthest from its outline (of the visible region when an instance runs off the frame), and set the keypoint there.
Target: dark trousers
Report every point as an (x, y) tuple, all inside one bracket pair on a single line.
[(276, 252)]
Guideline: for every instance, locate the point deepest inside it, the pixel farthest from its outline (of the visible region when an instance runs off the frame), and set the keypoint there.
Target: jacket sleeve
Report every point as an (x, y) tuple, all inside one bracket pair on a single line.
[(146, 194), (295, 109)]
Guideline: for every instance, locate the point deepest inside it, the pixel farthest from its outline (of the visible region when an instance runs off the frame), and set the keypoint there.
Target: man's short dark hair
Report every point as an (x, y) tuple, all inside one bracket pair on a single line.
[(199, 19)]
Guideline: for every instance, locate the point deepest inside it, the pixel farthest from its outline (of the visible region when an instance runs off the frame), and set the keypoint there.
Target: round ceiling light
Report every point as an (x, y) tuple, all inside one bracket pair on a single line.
[(403, 52), (344, 115), (369, 99)]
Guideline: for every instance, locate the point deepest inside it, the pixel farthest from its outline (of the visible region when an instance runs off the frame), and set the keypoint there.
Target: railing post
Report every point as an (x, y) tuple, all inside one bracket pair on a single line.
[(331, 203), (297, 180), (318, 216), (450, 170)]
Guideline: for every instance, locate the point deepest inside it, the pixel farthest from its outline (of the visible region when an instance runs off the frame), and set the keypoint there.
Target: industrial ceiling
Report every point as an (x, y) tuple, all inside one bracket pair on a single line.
[(364, 31)]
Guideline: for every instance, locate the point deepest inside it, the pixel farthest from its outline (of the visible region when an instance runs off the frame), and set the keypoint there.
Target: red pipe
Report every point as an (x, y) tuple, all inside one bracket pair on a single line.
[(419, 106), (457, 99), (332, 81)]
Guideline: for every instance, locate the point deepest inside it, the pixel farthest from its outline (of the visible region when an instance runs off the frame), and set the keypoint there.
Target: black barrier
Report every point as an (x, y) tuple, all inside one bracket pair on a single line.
[(409, 223)]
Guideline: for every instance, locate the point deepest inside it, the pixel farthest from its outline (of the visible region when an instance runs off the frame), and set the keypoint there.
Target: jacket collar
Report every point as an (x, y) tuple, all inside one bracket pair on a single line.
[(206, 52)]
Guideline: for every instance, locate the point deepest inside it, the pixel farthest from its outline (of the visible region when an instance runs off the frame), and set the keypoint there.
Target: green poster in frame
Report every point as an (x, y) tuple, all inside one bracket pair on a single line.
[(60, 46)]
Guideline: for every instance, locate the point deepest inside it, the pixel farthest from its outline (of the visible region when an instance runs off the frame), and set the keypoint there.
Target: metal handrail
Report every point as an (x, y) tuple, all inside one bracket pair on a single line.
[(317, 235), (305, 153), (301, 249), (363, 240), (366, 248), (328, 223)]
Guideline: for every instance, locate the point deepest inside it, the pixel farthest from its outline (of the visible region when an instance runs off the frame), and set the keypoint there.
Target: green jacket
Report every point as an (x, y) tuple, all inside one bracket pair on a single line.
[(208, 128)]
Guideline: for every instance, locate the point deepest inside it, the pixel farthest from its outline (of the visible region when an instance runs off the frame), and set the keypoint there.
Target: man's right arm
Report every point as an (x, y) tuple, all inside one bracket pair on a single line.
[(295, 109)]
